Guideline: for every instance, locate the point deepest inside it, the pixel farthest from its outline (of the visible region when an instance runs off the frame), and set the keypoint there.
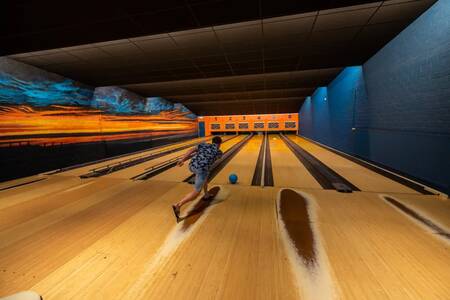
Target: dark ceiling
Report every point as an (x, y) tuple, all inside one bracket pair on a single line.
[(216, 57)]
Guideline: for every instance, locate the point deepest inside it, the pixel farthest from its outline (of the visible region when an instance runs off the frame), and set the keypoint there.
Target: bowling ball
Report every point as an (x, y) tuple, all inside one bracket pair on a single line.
[(233, 178)]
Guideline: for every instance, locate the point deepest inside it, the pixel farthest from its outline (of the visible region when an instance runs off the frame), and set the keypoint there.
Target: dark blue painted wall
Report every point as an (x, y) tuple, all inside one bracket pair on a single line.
[(313, 112), (343, 94), (329, 115), (398, 103), (320, 111), (305, 118)]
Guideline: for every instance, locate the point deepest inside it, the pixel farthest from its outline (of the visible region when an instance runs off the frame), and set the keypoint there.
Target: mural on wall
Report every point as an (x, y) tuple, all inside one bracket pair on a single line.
[(43, 109), (186, 112), (126, 115)]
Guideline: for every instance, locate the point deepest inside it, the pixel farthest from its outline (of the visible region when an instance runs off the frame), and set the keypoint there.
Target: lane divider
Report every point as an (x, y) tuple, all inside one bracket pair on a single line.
[(263, 167), (324, 175), (158, 168), (111, 168), (257, 179), (60, 170), (163, 166), (263, 175), (21, 184), (267, 167), (379, 170)]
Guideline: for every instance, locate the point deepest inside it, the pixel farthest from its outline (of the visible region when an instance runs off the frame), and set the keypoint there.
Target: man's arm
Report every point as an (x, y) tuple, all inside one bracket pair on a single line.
[(218, 155), (186, 156)]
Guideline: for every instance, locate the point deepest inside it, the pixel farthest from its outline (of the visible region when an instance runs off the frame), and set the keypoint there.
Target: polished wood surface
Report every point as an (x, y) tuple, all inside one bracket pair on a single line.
[(243, 164), (376, 252), (288, 171), (235, 253), (114, 238)]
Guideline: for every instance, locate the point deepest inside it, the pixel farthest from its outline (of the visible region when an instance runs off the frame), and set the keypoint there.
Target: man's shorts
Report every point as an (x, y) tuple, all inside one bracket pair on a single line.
[(200, 179)]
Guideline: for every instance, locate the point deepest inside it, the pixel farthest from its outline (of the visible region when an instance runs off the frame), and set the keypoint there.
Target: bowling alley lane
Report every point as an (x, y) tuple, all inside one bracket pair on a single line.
[(288, 171), (363, 178), (375, 251), (132, 171), (86, 169), (180, 173), (243, 164)]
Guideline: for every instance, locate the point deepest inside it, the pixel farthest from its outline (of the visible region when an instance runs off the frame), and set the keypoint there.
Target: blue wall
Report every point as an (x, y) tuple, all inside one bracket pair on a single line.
[(305, 118), (320, 111), (398, 102), (344, 92)]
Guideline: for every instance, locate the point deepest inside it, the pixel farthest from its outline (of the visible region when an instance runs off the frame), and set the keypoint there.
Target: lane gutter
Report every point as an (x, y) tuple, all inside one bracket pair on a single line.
[(257, 179), (268, 172), (379, 170), (22, 184), (159, 168), (85, 164), (324, 175), (263, 175), (263, 167), (108, 169)]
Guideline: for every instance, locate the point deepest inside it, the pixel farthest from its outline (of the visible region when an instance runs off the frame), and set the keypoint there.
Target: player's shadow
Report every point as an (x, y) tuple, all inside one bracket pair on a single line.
[(198, 209)]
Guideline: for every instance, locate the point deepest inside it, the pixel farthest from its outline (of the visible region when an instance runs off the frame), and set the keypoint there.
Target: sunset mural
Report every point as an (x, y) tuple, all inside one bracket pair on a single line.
[(44, 109), (27, 125)]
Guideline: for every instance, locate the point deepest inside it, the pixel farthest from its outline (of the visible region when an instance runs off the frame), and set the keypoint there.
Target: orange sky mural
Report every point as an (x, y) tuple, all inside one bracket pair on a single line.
[(58, 124), (48, 122), (44, 109)]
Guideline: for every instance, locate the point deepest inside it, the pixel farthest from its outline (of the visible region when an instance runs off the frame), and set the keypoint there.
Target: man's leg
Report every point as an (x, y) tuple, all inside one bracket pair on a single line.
[(205, 188), (188, 198), (199, 182)]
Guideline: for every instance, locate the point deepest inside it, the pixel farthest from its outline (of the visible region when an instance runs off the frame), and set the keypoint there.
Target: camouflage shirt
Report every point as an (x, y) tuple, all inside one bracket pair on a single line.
[(205, 156)]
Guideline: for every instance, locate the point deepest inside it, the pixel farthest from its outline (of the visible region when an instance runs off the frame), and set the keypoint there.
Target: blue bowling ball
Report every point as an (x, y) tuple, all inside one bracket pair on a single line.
[(233, 178)]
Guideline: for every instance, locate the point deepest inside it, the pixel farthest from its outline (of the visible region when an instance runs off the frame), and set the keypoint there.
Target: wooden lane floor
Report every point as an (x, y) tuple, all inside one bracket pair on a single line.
[(363, 178), (111, 238), (27, 217), (104, 251), (64, 232), (39, 189), (234, 253), (20, 181), (43, 186), (86, 169), (376, 252), (243, 164), (180, 173), (288, 171), (112, 264), (117, 239)]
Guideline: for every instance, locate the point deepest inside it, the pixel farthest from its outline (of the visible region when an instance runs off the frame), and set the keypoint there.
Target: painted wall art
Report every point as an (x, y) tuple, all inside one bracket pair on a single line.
[(42, 111)]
